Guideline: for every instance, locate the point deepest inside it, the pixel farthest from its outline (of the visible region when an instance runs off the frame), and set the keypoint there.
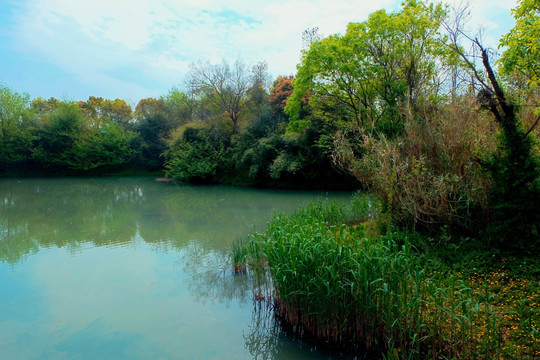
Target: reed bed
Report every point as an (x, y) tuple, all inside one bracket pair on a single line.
[(332, 284)]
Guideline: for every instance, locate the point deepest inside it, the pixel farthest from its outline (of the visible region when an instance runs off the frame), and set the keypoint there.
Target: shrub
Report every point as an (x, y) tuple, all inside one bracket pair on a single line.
[(428, 178), (195, 153)]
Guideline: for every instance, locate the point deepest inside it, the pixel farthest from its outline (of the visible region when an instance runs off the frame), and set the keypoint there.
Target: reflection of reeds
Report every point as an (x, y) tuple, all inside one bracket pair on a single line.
[(263, 338)]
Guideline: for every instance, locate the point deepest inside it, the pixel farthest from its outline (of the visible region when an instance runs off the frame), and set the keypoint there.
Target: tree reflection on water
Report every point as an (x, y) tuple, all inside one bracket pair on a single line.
[(71, 212), (197, 224)]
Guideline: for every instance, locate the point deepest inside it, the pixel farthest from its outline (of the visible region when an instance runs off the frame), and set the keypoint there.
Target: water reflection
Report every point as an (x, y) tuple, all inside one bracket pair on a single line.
[(40, 213), (262, 340), (128, 268), (211, 278), (265, 339)]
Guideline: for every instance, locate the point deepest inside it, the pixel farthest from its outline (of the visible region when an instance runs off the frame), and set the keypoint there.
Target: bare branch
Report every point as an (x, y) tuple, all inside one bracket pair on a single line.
[(532, 127)]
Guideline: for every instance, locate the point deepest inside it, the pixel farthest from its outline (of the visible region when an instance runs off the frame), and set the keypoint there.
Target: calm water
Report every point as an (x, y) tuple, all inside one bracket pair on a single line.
[(128, 268)]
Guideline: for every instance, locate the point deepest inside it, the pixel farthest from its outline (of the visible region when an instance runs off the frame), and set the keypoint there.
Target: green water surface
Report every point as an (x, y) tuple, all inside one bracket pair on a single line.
[(130, 268)]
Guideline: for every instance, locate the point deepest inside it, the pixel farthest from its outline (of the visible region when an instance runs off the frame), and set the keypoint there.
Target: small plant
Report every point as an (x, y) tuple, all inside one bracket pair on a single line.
[(239, 256)]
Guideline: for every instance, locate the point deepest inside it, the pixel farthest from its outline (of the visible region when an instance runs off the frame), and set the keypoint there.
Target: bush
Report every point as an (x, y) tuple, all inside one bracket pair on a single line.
[(428, 178), (195, 153)]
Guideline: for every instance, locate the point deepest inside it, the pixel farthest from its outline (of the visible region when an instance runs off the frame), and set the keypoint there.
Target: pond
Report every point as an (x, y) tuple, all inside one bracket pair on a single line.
[(130, 268)]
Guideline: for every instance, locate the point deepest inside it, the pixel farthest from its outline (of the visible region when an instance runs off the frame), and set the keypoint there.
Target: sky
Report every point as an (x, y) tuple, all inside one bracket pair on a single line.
[(134, 49)]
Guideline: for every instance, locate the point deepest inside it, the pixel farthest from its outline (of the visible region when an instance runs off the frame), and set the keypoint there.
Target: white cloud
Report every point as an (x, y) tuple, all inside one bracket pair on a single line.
[(158, 39)]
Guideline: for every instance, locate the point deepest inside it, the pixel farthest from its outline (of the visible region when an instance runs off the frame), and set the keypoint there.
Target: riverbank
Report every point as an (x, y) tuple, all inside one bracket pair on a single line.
[(339, 183), (343, 282)]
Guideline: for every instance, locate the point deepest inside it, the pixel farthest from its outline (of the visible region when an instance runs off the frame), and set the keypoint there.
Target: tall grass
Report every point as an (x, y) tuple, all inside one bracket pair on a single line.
[(333, 284)]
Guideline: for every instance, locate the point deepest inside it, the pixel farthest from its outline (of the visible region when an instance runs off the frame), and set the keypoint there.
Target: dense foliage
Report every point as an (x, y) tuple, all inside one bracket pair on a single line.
[(229, 127), (452, 156), (439, 151), (522, 53)]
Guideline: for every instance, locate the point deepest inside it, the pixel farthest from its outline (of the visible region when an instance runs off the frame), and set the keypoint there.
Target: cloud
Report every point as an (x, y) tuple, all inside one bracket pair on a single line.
[(158, 39)]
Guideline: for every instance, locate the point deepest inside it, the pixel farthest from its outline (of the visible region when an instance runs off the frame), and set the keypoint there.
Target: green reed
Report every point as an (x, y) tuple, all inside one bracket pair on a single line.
[(239, 256), (333, 284)]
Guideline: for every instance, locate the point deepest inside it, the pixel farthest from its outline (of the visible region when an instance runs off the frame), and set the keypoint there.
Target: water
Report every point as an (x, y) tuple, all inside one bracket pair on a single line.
[(128, 268)]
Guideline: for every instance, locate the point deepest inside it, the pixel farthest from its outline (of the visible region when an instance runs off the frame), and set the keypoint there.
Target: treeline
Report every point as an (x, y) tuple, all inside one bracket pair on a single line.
[(404, 102), (229, 127)]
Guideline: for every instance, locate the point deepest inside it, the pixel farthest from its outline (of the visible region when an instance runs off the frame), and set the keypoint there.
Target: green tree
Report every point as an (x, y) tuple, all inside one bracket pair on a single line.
[(55, 142), (106, 147), (154, 128), (195, 153), (522, 43), (180, 107), (373, 71), (70, 141), (14, 137)]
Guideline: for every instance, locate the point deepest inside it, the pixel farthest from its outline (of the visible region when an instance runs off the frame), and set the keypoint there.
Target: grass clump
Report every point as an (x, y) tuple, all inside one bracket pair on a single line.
[(239, 256)]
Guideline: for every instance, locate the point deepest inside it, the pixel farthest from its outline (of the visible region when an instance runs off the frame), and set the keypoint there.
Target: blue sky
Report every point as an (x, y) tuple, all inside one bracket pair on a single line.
[(133, 49)]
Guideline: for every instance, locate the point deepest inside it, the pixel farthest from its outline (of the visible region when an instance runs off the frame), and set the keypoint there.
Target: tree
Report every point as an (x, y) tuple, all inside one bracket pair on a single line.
[(45, 107), (281, 90), (154, 128), (179, 106), (97, 108), (224, 86), (55, 142), (513, 168), (195, 153), (69, 141), (14, 140), (373, 71), (522, 43), (257, 93), (106, 147)]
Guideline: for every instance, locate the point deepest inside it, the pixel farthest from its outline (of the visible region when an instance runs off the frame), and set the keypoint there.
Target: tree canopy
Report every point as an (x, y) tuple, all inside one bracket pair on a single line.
[(522, 43), (372, 70)]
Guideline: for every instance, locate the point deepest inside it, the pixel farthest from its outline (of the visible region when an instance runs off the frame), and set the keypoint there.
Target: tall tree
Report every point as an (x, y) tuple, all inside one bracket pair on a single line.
[(257, 92), (514, 168), (225, 86), (375, 69), (522, 43)]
